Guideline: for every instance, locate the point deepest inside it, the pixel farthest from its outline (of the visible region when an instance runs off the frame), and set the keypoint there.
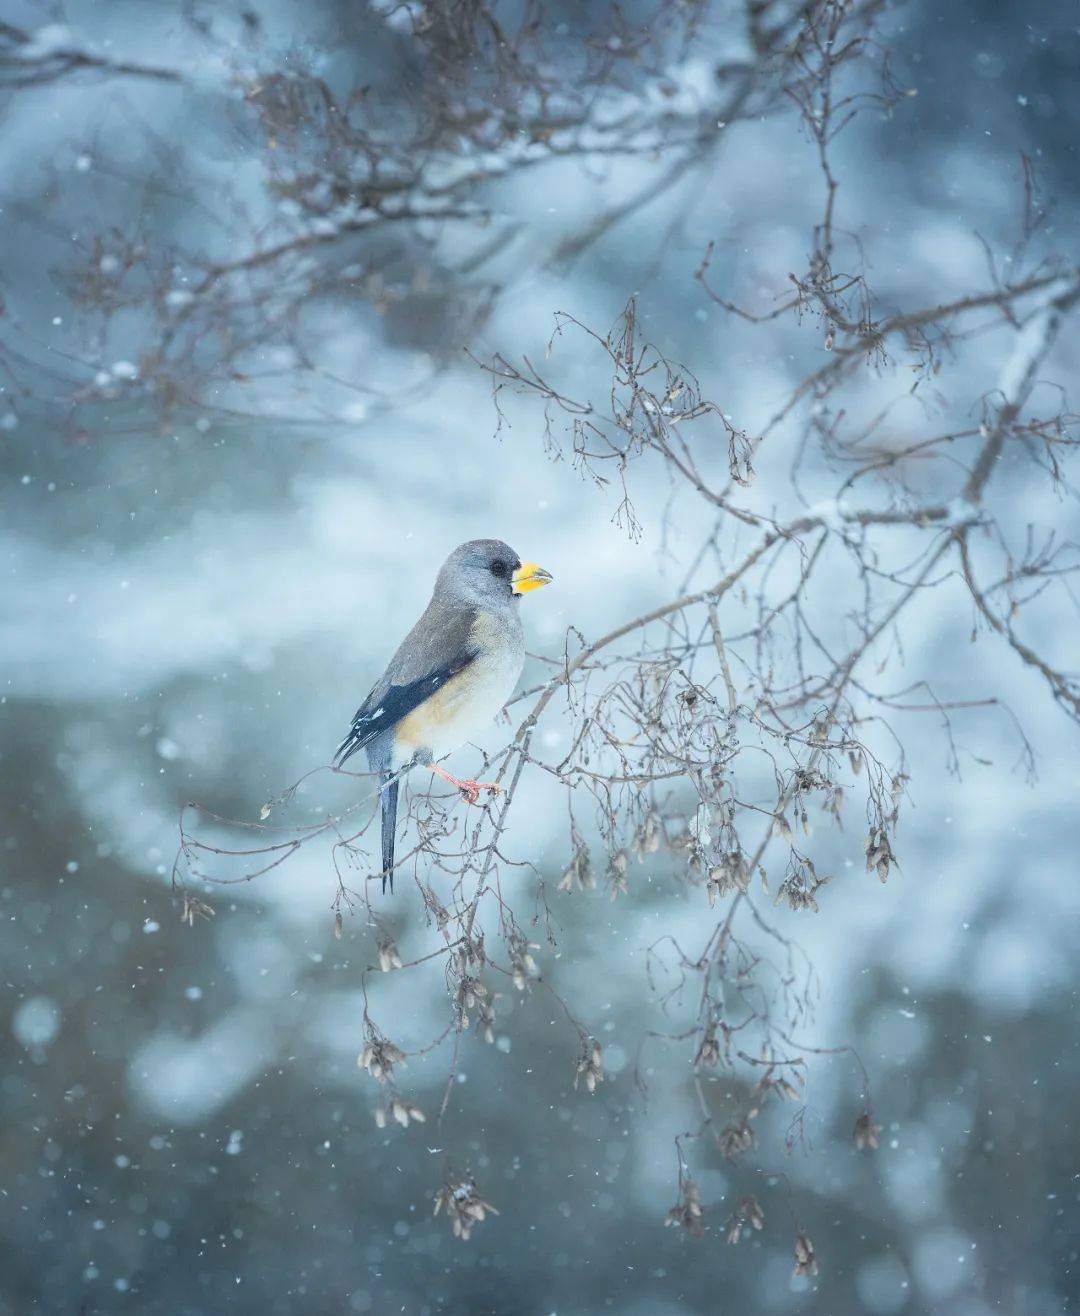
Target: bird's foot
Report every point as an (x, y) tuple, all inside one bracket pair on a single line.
[(470, 789)]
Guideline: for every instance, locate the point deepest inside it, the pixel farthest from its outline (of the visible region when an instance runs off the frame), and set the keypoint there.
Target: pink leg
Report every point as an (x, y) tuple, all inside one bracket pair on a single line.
[(469, 788)]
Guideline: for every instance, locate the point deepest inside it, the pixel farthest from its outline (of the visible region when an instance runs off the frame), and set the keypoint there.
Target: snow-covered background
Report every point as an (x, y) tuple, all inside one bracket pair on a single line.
[(193, 613)]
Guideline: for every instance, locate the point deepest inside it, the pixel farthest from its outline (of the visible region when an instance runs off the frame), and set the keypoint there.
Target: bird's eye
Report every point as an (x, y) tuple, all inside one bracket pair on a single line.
[(498, 568)]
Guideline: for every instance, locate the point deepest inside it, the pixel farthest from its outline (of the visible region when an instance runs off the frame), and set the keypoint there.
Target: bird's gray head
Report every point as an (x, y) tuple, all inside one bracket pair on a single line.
[(487, 573)]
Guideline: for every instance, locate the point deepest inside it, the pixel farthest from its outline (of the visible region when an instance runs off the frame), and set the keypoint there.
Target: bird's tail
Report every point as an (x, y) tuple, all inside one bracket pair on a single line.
[(389, 793)]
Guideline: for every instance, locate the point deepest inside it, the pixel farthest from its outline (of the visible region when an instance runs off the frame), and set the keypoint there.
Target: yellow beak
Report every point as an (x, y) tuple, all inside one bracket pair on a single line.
[(529, 576)]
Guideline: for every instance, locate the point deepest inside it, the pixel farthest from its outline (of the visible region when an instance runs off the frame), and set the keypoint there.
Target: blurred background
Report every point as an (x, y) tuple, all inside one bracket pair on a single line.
[(197, 596)]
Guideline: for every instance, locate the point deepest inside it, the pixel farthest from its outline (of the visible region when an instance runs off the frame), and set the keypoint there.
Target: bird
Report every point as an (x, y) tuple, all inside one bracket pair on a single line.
[(449, 678)]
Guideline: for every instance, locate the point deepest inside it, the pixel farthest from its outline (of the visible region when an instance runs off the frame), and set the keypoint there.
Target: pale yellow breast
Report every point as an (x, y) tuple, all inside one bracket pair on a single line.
[(466, 705), (427, 726)]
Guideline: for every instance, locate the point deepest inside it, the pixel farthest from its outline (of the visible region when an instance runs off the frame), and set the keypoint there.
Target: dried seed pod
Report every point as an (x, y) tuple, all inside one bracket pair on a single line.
[(579, 871), (687, 1211), (617, 870), (590, 1067), (522, 964), (647, 836), (746, 1216), (464, 1207), (866, 1132), (737, 1138), (709, 1051), (388, 955), (379, 1057), (805, 1260)]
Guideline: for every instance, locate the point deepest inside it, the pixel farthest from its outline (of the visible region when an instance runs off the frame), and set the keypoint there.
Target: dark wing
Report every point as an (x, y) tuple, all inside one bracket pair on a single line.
[(386, 706), (437, 648)]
